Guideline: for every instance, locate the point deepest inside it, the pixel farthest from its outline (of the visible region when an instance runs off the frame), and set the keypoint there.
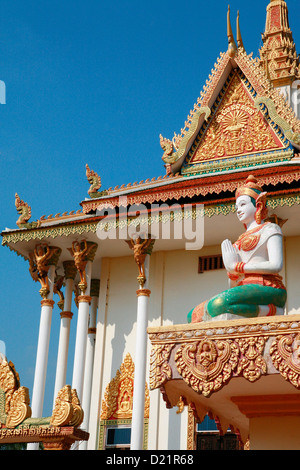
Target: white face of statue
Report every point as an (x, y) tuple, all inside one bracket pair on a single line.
[(245, 209)]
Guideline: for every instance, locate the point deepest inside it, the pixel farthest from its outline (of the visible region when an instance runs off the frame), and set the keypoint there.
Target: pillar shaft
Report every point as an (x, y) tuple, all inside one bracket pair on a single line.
[(64, 339), (42, 350), (137, 428), (81, 336), (90, 352)]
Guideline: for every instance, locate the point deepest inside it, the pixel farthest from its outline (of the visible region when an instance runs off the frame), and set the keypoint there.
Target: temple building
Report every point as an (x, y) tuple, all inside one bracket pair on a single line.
[(137, 260)]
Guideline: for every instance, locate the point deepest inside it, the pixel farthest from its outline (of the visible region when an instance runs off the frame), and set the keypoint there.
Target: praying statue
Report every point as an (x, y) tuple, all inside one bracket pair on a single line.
[(253, 264)]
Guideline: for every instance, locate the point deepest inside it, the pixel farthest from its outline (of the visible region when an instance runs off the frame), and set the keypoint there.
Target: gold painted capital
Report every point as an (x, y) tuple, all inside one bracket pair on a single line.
[(143, 292), (47, 303), (66, 314), (84, 298)]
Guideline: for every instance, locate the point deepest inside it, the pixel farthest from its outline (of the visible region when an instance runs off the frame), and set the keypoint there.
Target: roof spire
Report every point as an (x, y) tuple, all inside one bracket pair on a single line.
[(238, 33), (278, 53), (231, 42)]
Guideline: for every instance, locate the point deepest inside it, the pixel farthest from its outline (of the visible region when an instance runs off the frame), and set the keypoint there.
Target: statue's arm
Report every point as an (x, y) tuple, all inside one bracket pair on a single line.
[(274, 264)]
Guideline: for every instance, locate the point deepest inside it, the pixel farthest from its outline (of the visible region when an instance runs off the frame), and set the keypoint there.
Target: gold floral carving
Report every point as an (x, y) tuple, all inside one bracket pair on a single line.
[(160, 369), (285, 354), (118, 396), (207, 365)]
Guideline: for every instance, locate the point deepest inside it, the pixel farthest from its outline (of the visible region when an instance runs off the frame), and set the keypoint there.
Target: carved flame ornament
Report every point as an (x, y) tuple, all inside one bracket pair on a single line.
[(67, 410), (14, 400)]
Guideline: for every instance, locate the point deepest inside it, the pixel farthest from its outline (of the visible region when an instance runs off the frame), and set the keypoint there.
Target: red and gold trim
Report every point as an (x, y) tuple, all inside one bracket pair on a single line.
[(47, 303), (84, 298), (143, 293)]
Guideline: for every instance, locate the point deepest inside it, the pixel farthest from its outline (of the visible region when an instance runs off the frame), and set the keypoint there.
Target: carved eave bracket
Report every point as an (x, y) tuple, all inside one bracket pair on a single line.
[(141, 247), (197, 364), (82, 252), (40, 261)]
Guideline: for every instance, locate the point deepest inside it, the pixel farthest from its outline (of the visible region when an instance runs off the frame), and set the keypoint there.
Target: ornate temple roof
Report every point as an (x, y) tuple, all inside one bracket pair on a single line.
[(240, 123)]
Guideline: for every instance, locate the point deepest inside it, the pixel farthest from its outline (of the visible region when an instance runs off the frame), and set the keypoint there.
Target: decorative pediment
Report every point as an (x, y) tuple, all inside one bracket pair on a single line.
[(239, 133), (239, 121)]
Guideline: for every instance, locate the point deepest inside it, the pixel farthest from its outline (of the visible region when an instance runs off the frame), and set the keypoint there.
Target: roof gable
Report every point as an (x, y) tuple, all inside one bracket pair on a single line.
[(237, 133), (271, 110)]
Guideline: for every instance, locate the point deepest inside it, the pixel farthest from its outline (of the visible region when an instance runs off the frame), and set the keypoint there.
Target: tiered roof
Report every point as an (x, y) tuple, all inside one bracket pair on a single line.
[(240, 123)]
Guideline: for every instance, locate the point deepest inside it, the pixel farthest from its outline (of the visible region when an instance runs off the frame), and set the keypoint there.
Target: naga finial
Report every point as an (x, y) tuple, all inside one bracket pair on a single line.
[(231, 42), (24, 210), (94, 180)]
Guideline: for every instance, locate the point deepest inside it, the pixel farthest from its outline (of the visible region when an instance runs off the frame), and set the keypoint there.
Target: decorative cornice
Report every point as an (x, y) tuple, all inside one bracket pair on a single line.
[(217, 207)]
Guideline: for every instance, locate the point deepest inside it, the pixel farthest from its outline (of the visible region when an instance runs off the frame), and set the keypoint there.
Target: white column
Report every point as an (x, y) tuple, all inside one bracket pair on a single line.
[(42, 353), (64, 339), (138, 410), (81, 335), (89, 362)]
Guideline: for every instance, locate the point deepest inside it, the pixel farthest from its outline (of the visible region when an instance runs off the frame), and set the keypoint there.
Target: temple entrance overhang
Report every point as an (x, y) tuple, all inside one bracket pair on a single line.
[(244, 373)]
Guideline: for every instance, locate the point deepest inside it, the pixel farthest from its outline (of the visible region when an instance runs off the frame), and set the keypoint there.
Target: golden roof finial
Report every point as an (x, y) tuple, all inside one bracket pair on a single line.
[(238, 33), (231, 42)]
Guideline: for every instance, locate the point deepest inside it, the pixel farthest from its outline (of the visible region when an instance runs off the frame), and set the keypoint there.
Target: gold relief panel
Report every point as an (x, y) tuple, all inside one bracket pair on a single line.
[(118, 396), (237, 128)]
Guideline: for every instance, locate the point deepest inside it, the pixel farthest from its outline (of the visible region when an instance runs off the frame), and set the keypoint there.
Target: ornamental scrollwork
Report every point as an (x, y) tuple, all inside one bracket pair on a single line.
[(285, 354), (207, 365), (160, 369), (251, 363)]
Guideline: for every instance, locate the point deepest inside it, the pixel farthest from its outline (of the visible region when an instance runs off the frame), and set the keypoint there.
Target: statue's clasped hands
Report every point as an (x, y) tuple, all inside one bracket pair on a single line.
[(230, 256)]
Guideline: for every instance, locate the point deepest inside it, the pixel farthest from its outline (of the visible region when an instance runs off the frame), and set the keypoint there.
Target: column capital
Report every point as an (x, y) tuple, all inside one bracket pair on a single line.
[(47, 303), (66, 314), (143, 293), (84, 298)]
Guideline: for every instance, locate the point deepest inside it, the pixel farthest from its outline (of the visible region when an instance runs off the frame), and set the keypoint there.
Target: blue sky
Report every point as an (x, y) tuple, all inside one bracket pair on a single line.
[(95, 82)]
